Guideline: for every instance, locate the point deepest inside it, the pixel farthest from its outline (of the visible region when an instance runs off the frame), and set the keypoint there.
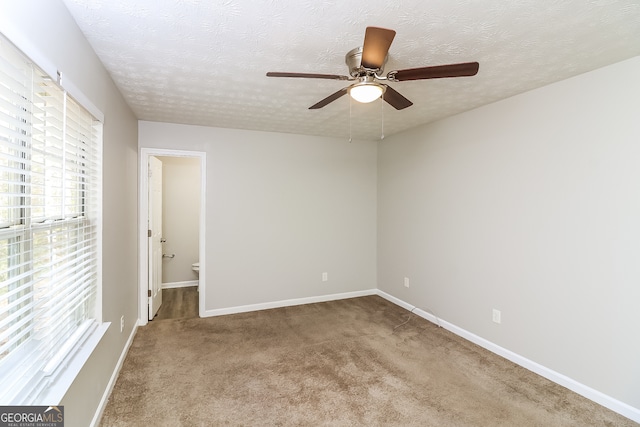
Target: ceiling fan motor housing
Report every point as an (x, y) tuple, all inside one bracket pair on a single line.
[(353, 59)]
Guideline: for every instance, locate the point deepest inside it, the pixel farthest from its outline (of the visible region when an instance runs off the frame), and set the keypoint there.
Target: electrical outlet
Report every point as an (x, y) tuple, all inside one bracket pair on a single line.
[(406, 282), (496, 316), (325, 276), (122, 323)]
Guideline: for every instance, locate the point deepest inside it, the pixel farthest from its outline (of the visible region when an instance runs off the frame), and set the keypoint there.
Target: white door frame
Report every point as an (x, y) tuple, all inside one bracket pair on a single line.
[(143, 247)]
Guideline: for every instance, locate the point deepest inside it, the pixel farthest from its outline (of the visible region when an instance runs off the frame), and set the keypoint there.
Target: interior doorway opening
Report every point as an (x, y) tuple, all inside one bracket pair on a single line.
[(172, 212)]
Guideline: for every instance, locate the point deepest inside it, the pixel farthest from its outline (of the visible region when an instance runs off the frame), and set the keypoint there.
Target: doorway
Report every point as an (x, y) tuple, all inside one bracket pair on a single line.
[(177, 249)]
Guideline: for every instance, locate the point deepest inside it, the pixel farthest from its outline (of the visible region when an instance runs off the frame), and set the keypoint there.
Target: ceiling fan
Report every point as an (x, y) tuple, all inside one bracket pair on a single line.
[(366, 65)]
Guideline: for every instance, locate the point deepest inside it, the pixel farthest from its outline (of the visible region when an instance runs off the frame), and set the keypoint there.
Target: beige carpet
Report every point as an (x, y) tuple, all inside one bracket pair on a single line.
[(340, 363)]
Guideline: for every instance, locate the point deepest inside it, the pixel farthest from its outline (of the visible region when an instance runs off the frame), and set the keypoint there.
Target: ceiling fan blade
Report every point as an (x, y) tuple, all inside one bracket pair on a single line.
[(396, 100), (308, 75), (465, 69), (329, 99), (377, 42)]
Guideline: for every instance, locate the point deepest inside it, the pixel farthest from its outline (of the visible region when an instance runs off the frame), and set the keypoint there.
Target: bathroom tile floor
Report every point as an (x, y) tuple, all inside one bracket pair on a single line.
[(178, 303)]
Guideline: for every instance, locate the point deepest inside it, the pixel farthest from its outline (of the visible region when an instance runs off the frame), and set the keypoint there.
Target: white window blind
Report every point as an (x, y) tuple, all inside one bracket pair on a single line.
[(49, 200)]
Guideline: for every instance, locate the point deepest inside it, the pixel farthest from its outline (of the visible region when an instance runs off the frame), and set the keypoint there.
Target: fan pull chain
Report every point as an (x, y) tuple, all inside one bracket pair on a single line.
[(382, 117), (350, 102)]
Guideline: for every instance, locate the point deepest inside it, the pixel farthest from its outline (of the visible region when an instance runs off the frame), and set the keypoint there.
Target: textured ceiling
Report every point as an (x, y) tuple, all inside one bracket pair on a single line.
[(204, 62)]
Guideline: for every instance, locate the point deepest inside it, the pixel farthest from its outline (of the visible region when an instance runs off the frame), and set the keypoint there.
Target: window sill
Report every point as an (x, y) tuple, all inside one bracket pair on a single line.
[(54, 393)]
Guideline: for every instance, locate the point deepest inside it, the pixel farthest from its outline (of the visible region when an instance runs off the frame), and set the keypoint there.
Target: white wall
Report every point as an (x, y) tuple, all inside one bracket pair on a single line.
[(531, 206), (46, 26), (180, 217), (281, 210)]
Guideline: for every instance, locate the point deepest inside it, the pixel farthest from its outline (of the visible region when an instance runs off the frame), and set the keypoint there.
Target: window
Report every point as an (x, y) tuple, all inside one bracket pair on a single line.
[(50, 188)]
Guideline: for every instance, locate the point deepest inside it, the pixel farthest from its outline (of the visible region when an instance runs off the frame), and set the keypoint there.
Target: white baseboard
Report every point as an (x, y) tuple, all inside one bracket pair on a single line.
[(184, 284), (287, 303), (558, 378), (114, 376)]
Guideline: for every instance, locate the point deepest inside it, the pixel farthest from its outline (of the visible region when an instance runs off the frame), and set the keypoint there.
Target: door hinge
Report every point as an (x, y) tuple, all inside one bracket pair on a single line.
[(148, 233), (149, 293)]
